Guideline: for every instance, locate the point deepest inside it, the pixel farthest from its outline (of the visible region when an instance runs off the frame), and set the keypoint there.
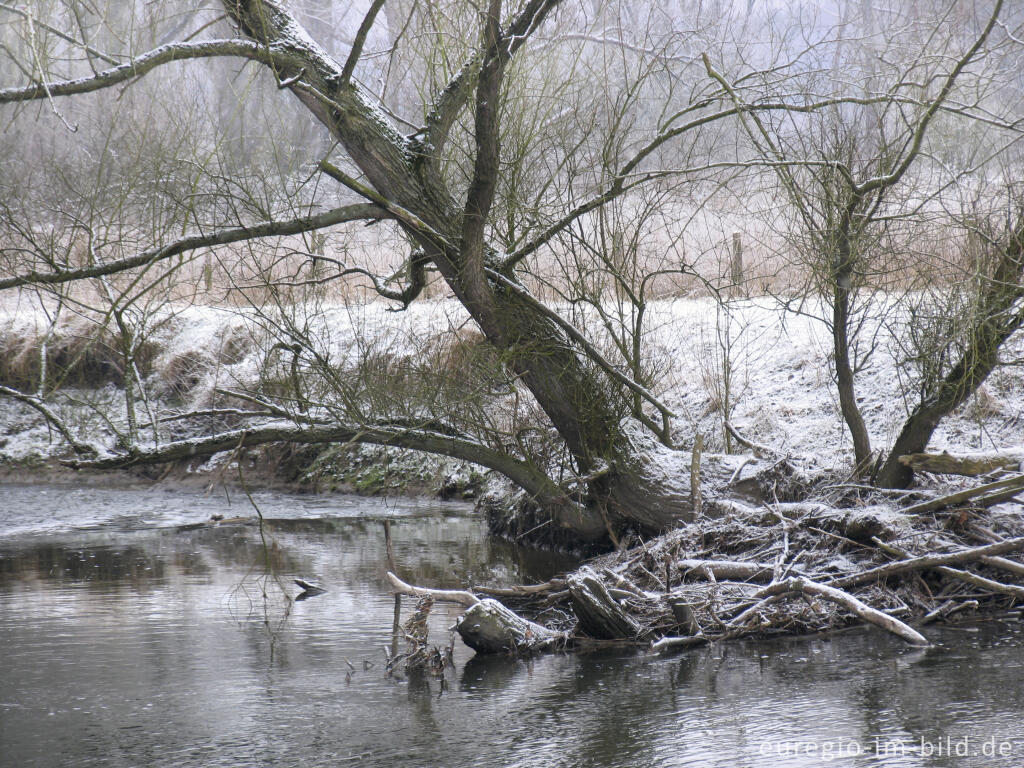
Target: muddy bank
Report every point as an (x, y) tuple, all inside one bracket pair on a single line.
[(359, 470)]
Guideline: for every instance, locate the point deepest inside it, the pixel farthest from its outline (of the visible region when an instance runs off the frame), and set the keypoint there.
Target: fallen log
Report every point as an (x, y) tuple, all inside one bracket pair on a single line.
[(727, 570), (963, 464), (598, 614), (800, 585), (983, 495), (929, 561), (968, 578)]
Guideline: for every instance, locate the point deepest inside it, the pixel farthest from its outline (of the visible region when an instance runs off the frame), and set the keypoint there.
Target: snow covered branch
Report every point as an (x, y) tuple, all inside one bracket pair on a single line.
[(146, 62)]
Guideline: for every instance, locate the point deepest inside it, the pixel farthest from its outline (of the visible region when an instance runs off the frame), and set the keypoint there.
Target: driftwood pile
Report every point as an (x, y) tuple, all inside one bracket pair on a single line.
[(743, 571)]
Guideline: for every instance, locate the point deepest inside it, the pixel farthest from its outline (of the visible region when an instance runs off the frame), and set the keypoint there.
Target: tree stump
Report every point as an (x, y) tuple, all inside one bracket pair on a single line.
[(490, 627), (598, 613)]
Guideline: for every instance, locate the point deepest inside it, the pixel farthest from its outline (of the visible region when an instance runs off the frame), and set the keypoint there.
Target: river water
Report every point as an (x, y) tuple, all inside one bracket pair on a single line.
[(129, 638)]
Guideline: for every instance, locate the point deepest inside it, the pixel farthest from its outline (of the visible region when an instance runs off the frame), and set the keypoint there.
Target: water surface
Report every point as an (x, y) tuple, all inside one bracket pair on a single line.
[(128, 638)]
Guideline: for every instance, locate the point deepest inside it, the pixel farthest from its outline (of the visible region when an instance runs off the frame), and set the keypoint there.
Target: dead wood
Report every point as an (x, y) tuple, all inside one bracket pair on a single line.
[(1003, 564), (930, 561), (670, 643), (734, 576), (522, 590), (965, 576), (760, 451), (727, 569), (800, 585), (983, 495), (599, 615), (969, 465), (487, 626), (399, 587), (490, 627)]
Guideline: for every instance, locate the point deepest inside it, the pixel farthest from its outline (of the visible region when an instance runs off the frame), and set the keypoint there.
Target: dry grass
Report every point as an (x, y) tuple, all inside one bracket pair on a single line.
[(78, 353)]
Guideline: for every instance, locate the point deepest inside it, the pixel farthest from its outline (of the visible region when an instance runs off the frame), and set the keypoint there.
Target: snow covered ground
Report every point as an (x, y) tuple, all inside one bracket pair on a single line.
[(780, 387)]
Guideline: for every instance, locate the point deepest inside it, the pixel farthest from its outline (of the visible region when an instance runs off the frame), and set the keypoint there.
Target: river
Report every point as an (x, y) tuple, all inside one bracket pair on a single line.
[(129, 637)]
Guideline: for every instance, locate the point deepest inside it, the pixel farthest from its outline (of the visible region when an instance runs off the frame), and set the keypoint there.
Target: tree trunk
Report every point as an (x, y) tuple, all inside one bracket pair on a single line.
[(584, 406), (843, 272), (998, 318)]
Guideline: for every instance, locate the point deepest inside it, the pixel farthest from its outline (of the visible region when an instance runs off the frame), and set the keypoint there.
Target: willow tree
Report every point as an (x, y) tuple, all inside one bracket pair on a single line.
[(436, 177), (621, 473)]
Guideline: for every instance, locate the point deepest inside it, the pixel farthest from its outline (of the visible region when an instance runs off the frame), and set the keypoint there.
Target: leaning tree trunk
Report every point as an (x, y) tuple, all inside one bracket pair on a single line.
[(583, 404), (842, 284), (997, 319)]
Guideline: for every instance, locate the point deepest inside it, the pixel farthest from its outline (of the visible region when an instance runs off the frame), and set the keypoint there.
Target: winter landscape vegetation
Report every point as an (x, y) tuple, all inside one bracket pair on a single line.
[(723, 299)]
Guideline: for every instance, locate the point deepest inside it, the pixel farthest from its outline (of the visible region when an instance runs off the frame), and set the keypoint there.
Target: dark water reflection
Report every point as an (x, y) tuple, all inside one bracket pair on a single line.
[(140, 644)]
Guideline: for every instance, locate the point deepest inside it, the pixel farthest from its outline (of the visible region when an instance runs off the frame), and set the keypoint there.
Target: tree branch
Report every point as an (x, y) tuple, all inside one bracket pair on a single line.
[(145, 63), (53, 30), (480, 195), (356, 212), (591, 351), (880, 182), (523, 474), (413, 223), (360, 40), (456, 94), (52, 418)]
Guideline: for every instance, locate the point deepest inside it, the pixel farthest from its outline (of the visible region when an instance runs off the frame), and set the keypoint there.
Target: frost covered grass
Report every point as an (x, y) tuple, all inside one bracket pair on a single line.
[(748, 360)]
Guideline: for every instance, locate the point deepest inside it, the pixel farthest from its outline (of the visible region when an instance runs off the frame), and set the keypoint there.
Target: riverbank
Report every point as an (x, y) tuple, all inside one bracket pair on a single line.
[(750, 362)]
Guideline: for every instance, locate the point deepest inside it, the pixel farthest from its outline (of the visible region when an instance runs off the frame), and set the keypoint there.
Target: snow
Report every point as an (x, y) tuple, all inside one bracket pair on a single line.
[(781, 389)]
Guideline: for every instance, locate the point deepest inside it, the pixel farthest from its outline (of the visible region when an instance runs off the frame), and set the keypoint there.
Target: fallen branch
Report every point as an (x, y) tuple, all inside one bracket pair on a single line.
[(522, 589), (800, 585), (467, 599), (955, 464), (674, 643), (760, 451), (729, 570), (1006, 488), (1003, 564), (488, 626), (968, 578), (930, 561)]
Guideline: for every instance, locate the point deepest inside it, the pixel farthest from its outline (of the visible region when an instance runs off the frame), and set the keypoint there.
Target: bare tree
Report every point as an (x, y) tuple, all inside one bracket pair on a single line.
[(461, 186), (853, 172)]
